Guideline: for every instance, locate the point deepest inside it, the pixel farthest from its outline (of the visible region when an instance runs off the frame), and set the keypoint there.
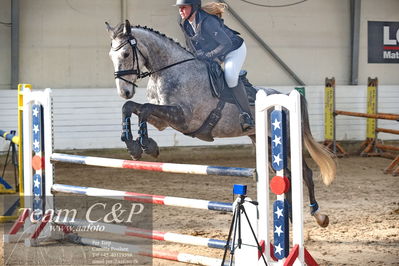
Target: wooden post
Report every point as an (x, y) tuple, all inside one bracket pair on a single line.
[(329, 119)]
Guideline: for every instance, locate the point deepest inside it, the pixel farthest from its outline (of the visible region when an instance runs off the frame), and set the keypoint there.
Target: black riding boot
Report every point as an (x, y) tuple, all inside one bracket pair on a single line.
[(241, 99)]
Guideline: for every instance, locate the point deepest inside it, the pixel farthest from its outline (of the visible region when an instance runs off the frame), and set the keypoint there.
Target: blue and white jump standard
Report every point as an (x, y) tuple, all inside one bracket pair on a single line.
[(277, 105), (38, 167)]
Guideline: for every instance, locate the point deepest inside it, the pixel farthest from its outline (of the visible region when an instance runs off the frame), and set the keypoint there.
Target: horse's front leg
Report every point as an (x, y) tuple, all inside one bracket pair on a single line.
[(133, 146), (158, 115), (128, 108), (321, 219), (132, 107)]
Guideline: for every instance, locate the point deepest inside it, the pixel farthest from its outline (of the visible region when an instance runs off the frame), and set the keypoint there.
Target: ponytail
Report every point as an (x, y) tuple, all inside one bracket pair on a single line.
[(214, 8)]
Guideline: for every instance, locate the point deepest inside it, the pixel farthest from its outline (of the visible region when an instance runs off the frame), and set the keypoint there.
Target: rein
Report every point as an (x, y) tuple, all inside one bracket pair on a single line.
[(133, 44)]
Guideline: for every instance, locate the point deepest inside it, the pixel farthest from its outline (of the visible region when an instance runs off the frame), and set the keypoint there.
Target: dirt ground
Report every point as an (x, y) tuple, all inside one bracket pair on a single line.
[(362, 203)]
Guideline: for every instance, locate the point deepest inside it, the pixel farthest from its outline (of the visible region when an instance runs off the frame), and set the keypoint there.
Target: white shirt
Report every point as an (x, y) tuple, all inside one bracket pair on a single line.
[(192, 23)]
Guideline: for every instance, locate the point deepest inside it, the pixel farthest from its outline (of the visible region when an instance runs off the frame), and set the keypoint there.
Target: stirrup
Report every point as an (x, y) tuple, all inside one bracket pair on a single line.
[(246, 121)]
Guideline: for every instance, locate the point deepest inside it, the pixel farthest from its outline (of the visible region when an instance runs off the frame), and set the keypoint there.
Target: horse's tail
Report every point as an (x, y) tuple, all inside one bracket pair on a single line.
[(320, 154)]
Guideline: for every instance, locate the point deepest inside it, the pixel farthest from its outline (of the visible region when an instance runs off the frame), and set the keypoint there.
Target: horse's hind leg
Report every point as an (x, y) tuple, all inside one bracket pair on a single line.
[(170, 114), (321, 219)]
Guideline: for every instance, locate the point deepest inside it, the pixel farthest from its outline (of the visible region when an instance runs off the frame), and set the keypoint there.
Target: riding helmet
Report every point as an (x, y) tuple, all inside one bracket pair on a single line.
[(194, 3)]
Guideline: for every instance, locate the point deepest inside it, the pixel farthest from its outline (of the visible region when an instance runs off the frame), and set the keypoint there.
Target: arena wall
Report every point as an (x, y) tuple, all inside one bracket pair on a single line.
[(91, 118), (64, 43)]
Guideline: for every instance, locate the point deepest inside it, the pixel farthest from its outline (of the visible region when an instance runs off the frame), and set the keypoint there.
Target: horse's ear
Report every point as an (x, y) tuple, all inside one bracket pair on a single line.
[(127, 29), (110, 30)]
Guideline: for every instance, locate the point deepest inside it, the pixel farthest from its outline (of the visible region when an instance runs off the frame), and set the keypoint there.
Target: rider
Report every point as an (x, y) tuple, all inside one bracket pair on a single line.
[(209, 39)]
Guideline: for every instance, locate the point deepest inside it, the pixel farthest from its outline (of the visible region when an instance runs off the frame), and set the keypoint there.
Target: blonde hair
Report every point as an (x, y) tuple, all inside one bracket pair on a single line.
[(214, 8)]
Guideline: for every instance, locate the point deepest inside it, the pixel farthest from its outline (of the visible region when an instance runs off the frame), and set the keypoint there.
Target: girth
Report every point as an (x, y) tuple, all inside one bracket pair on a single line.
[(205, 131)]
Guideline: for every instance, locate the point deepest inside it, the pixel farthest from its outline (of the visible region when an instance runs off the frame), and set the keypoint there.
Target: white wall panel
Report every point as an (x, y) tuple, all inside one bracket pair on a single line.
[(91, 118)]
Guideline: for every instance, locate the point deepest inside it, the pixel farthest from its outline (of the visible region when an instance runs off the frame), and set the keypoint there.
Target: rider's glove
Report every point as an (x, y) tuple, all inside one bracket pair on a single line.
[(201, 55)]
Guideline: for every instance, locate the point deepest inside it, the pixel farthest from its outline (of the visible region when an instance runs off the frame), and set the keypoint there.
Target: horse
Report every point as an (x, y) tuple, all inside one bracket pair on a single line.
[(180, 97)]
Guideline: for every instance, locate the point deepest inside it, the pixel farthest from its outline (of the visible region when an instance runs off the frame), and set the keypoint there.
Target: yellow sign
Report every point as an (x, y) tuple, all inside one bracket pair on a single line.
[(329, 113), (371, 108)]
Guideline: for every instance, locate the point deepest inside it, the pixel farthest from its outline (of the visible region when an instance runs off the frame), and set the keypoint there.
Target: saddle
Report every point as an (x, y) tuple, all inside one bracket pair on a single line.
[(219, 86), (221, 91)]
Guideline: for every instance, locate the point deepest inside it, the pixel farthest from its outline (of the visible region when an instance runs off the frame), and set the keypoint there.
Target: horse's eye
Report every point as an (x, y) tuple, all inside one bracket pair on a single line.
[(125, 55)]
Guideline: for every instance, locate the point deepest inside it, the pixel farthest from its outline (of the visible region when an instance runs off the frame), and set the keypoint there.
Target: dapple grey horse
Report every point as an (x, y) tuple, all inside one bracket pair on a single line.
[(180, 97)]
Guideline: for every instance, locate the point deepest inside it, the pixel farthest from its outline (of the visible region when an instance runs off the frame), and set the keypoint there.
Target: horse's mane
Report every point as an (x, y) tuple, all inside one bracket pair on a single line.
[(119, 33)]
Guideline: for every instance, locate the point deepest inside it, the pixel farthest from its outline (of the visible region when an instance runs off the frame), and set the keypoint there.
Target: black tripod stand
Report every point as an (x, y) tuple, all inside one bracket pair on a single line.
[(235, 242)]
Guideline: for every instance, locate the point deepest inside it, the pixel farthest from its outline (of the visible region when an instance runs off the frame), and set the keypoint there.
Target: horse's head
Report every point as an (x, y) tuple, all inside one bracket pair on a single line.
[(126, 57)]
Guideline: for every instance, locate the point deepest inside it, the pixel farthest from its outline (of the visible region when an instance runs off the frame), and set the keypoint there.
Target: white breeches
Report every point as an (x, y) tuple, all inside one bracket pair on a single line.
[(232, 65)]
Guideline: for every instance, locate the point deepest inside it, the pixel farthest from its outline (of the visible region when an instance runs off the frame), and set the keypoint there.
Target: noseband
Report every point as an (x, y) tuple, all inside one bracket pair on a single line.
[(136, 71)]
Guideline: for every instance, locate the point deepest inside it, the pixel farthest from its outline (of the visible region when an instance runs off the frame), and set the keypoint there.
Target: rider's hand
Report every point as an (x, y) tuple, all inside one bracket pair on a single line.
[(201, 55)]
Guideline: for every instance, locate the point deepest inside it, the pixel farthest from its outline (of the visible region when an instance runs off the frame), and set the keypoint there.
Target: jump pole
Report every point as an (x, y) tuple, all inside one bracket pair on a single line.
[(10, 137), (144, 198), (154, 253), (145, 233), (155, 166)]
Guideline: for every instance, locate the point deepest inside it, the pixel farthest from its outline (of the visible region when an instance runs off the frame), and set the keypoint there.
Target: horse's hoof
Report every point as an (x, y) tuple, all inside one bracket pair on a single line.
[(321, 219), (151, 148), (134, 149)]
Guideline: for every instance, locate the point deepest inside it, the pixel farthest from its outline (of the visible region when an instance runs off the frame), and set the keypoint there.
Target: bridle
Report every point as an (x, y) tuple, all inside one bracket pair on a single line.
[(136, 67)]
